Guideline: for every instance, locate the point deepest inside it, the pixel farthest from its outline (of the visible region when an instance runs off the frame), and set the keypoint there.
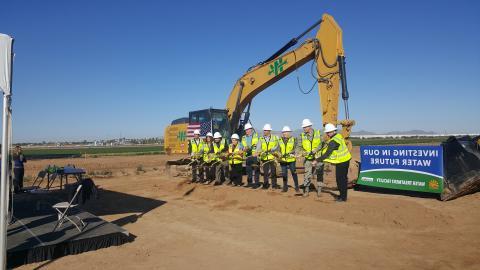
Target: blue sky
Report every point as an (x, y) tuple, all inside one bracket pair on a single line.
[(100, 69)]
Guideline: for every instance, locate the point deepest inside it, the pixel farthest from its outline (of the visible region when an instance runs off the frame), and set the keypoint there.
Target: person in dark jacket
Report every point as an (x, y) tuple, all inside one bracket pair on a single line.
[(18, 168)]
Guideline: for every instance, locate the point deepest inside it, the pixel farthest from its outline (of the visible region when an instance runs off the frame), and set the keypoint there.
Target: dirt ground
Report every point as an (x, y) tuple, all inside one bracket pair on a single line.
[(192, 226)]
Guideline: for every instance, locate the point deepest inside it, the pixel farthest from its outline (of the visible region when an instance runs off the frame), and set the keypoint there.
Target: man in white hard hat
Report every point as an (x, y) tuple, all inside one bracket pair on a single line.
[(310, 143), (235, 160), (249, 142), (195, 149), (288, 160), (337, 153), (209, 159), (266, 150), (220, 148)]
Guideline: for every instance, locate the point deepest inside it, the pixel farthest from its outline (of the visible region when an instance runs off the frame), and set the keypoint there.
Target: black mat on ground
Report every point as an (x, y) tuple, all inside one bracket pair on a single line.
[(30, 237)]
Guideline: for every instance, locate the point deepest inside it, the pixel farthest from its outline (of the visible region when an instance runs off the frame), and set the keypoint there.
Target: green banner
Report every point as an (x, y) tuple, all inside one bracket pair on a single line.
[(415, 168), (404, 180)]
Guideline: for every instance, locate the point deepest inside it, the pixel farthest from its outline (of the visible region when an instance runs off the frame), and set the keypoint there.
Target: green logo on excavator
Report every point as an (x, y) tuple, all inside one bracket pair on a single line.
[(277, 67), (182, 135)]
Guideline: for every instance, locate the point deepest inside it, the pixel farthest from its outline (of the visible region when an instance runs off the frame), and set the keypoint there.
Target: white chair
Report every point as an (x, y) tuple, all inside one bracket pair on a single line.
[(63, 210)]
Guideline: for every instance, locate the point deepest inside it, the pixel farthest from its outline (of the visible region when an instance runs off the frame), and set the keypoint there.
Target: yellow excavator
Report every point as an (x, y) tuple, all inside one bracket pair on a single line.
[(327, 53)]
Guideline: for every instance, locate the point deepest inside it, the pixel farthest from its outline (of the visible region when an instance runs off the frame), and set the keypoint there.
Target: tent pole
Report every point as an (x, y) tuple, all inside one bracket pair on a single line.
[(4, 184)]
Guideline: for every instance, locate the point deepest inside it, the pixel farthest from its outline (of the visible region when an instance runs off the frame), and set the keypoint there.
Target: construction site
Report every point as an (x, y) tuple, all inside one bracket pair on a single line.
[(221, 190)]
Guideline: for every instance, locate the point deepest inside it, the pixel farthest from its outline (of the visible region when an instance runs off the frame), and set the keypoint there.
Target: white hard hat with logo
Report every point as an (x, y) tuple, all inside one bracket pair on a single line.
[(306, 123), (235, 136), (209, 134), (330, 127), (248, 126), (196, 132), (267, 127), (217, 135), (286, 129)]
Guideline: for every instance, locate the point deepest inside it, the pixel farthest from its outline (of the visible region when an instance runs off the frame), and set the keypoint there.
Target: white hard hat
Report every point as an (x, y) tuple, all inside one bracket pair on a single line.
[(330, 127), (235, 136), (306, 123), (217, 135), (286, 129), (196, 132), (209, 134), (248, 126), (267, 127)]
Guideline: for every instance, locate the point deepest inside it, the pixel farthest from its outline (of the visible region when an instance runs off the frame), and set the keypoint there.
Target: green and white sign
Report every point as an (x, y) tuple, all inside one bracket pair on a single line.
[(416, 168)]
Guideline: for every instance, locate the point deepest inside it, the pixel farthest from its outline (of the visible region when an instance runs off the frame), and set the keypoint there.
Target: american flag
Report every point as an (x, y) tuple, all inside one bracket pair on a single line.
[(204, 128)]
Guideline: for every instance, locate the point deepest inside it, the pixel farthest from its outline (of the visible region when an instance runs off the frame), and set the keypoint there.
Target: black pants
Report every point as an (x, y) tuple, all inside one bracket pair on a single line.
[(209, 171), (236, 173), (269, 171), (18, 182), (252, 167), (197, 171), (341, 174)]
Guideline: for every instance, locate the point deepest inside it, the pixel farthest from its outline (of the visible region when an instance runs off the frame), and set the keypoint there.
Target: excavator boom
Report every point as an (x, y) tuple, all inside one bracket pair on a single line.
[(326, 49)]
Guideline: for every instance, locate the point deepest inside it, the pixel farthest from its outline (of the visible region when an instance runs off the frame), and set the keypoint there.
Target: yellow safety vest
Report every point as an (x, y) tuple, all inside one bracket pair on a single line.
[(196, 148), (341, 154), (207, 156), (267, 146), (218, 149), (308, 145), (254, 141), (286, 149), (235, 157)]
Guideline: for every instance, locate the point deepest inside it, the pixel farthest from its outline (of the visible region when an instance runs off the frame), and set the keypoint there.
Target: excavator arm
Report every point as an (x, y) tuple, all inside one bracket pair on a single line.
[(326, 49)]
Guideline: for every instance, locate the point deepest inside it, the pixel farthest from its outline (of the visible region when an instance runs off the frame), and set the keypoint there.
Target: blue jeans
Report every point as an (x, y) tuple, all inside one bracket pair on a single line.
[(285, 167), (251, 160)]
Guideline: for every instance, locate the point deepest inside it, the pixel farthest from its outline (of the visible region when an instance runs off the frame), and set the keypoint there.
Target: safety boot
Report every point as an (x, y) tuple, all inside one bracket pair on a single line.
[(305, 191)]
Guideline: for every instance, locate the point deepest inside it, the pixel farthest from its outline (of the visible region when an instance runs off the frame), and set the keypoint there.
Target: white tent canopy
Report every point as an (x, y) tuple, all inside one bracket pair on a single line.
[(5, 63)]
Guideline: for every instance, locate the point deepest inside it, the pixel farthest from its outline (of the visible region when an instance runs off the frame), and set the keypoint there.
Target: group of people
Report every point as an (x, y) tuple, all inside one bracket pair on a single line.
[(214, 159)]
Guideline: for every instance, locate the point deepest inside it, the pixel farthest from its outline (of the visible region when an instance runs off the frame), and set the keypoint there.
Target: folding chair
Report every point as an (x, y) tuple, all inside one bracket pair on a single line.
[(63, 211), (40, 176)]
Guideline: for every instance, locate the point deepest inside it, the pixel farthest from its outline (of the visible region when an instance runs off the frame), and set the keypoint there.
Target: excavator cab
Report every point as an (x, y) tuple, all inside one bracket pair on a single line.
[(209, 120), (181, 130)]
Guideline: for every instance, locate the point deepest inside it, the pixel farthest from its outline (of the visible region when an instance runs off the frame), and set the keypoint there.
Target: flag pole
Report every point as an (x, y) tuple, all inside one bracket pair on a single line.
[(5, 172)]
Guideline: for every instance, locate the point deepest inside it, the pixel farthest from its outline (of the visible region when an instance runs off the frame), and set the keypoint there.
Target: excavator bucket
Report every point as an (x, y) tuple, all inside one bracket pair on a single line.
[(461, 167), (179, 167)]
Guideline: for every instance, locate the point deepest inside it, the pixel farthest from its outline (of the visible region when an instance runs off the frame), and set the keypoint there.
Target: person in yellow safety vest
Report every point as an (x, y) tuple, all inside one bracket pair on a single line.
[(337, 154), (249, 142), (195, 149), (310, 144), (209, 159), (288, 160), (235, 160), (220, 148), (267, 148)]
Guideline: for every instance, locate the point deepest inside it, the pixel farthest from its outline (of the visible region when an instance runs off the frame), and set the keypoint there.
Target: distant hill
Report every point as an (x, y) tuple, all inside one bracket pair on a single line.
[(362, 133), (411, 132), (297, 132)]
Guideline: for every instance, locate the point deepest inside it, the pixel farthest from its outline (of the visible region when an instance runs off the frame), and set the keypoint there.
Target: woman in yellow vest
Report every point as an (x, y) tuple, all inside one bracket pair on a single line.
[(235, 160), (337, 154), (209, 159), (288, 160)]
